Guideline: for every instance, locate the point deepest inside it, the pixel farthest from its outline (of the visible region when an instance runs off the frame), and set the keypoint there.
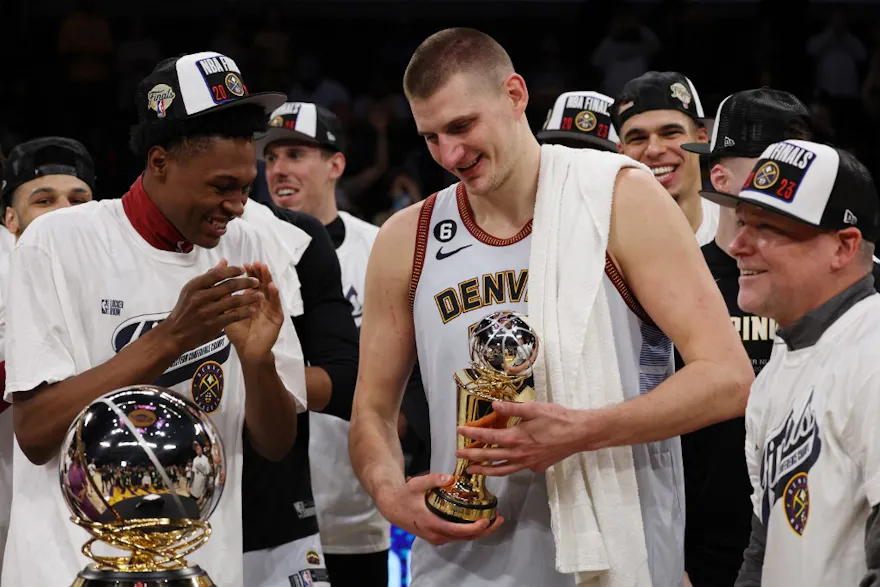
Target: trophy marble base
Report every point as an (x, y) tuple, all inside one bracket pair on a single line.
[(188, 577), (442, 502)]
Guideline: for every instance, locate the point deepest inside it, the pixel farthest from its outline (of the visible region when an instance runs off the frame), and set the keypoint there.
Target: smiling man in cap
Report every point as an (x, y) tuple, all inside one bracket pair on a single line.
[(654, 115), (161, 286), (808, 218), (39, 176)]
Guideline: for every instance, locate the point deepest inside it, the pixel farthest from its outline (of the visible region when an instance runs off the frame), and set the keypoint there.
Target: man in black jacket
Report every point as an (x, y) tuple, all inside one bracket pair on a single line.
[(717, 486), (277, 504)]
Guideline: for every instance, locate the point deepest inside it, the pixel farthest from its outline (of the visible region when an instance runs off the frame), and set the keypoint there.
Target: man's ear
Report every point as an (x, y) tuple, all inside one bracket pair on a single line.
[(337, 166)]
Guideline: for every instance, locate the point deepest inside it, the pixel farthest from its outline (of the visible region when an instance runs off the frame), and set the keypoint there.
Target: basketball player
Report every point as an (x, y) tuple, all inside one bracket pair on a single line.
[(38, 176), (424, 280), (653, 115), (304, 154), (716, 479), (808, 218), (160, 286)]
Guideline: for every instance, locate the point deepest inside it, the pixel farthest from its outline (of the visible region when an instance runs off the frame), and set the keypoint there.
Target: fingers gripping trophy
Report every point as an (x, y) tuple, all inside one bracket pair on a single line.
[(123, 468), (503, 349)]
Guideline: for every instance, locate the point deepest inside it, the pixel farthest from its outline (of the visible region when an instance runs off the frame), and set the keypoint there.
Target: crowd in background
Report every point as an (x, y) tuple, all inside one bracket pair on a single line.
[(83, 63)]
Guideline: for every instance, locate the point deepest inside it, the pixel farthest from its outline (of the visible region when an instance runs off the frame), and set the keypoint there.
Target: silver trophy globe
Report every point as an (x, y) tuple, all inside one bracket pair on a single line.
[(142, 469)]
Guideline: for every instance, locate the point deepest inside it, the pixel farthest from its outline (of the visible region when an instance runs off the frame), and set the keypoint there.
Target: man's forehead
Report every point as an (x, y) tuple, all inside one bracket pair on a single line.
[(462, 96), (57, 182)]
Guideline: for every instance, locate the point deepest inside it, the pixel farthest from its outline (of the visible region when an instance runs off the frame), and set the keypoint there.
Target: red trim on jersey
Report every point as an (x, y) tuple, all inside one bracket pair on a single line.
[(467, 217), (421, 246), (631, 301), (150, 223), (3, 405)]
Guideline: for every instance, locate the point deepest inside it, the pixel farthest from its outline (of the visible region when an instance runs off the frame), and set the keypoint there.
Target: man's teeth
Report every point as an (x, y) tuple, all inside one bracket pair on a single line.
[(286, 192), (472, 163), (747, 273), (662, 170)]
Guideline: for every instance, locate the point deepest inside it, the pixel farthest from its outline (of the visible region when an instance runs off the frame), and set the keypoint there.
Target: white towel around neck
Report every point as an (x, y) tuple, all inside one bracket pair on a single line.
[(593, 496)]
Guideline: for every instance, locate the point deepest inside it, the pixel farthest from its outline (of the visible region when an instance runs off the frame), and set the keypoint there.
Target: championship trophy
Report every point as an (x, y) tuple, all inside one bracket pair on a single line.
[(142, 470), (503, 349)]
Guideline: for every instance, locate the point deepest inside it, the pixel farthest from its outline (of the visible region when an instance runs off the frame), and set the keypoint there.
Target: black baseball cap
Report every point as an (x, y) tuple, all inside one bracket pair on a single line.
[(748, 122), (814, 184), (195, 84), (303, 122), (581, 117), (45, 156), (657, 90)]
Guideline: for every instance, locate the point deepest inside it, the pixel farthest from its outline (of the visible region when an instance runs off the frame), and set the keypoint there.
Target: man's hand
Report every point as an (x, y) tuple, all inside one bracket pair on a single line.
[(206, 306), (546, 434), (254, 337), (405, 508)]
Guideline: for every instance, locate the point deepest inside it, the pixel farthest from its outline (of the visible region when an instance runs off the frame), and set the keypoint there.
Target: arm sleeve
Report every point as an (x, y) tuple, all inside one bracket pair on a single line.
[(753, 557), (43, 351), (327, 331)]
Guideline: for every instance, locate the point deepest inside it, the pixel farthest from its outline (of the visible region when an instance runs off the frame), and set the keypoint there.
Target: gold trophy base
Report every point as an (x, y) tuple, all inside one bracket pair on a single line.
[(443, 502), (188, 577)]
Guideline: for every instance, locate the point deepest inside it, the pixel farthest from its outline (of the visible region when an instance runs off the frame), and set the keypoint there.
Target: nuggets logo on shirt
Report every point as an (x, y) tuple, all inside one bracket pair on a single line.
[(202, 366), (207, 386), (790, 452)]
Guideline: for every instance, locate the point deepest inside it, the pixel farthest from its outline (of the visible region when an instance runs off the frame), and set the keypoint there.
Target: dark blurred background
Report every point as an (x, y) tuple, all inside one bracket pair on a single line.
[(72, 66)]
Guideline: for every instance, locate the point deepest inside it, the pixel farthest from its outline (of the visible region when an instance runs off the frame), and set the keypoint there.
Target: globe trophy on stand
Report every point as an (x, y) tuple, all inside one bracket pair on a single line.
[(503, 349), (142, 469)]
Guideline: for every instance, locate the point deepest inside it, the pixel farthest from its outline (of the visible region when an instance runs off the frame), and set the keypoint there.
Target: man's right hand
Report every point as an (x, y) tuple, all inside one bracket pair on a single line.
[(206, 306), (405, 508)]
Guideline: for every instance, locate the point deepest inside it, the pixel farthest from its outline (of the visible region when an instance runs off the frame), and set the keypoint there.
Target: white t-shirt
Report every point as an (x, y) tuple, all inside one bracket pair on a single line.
[(285, 245), (348, 519), (7, 241), (813, 452), (7, 432), (84, 284), (709, 227)]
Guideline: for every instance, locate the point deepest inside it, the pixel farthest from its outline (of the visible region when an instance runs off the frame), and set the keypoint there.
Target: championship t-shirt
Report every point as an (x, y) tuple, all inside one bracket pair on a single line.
[(83, 285)]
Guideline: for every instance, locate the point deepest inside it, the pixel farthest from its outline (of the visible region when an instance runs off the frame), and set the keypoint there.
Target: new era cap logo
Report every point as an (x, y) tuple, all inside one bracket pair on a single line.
[(850, 218), (781, 172), (729, 142)]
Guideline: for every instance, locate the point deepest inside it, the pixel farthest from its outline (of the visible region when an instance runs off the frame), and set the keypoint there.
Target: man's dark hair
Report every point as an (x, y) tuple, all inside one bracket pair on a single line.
[(453, 51), (194, 134)]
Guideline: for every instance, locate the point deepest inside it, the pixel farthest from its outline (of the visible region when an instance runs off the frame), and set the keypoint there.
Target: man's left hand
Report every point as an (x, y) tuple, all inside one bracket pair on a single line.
[(254, 337), (546, 434)]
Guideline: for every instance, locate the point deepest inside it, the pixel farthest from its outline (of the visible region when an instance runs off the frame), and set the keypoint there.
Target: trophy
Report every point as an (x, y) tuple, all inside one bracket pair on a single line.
[(142, 470), (503, 349)]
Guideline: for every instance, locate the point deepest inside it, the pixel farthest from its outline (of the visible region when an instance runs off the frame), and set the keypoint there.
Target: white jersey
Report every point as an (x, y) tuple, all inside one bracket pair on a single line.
[(348, 519), (460, 275), (83, 285), (812, 452), (709, 226)]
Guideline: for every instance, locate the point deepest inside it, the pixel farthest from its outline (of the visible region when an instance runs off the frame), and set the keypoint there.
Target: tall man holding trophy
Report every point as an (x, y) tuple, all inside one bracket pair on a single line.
[(584, 283)]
